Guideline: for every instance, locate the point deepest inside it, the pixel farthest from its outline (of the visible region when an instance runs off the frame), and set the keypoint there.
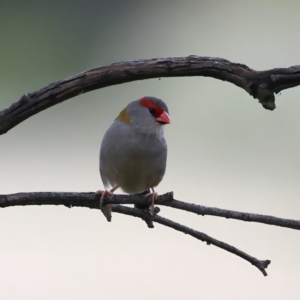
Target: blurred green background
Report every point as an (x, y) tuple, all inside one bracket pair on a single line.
[(225, 150)]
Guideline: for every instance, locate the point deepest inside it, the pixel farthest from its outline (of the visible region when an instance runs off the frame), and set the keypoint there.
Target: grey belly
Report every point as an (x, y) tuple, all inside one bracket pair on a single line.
[(139, 174), (131, 170)]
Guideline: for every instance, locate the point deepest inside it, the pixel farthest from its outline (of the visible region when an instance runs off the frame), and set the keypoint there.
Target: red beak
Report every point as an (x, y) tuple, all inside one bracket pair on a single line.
[(164, 118)]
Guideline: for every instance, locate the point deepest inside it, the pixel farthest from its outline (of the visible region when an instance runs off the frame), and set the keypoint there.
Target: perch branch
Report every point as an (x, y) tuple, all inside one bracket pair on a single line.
[(260, 84), (91, 201)]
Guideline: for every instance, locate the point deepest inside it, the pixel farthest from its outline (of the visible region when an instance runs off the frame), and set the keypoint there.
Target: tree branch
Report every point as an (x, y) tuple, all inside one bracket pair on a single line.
[(260, 84), (260, 264), (231, 214), (91, 200)]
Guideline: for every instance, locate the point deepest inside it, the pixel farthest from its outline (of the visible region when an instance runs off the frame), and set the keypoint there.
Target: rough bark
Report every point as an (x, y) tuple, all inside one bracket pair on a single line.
[(260, 84)]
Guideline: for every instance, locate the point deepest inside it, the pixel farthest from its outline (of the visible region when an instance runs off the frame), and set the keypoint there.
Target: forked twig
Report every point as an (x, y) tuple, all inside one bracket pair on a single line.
[(260, 264), (91, 200)]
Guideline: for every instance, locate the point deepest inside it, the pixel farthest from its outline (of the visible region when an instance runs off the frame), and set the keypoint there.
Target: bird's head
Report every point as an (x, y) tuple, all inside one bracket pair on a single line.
[(147, 114)]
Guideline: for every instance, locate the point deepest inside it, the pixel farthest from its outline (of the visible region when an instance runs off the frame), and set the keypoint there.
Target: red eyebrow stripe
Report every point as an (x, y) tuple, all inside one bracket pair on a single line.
[(149, 104)]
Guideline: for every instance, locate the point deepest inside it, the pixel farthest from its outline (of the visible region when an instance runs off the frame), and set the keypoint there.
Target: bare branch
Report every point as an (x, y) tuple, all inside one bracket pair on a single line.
[(92, 201), (231, 214), (260, 84), (260, 264)]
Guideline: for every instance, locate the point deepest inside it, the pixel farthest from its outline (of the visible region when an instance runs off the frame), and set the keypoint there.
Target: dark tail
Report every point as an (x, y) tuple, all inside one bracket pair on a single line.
[(142, 206)]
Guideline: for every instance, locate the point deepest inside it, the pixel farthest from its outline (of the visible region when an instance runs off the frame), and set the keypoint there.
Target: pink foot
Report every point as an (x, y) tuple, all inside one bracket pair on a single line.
[(153, 198), (106, 210), (103, 194)]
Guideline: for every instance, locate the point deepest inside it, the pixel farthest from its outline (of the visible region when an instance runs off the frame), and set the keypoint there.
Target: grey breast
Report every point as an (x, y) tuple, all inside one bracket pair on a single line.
[(134, 163)]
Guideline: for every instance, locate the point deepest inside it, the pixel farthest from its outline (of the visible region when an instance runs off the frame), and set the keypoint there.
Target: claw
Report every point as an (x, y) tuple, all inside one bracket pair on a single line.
[(103, 194), (106, 210), (153, 198)]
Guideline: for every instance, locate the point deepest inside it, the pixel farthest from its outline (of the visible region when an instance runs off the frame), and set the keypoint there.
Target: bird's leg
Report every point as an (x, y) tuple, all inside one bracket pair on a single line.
[(104, 193), (107, 209), (153, 198)]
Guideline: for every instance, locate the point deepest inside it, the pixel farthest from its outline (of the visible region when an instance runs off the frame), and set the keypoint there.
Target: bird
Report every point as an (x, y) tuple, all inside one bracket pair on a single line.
[(133, 152)]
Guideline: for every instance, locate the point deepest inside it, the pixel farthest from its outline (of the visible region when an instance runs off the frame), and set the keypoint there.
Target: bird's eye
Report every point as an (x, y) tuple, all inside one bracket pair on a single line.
[(152, 111)]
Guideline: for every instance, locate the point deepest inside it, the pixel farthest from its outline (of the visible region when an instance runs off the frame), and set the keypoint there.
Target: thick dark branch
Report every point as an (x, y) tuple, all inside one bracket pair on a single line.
[(91, 201), (259, 84), (260, 264)]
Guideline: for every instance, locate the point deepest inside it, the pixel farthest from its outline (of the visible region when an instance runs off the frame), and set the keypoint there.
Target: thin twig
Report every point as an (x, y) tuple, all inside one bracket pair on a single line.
[(260, 264), (231, 214), (260, 84)]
